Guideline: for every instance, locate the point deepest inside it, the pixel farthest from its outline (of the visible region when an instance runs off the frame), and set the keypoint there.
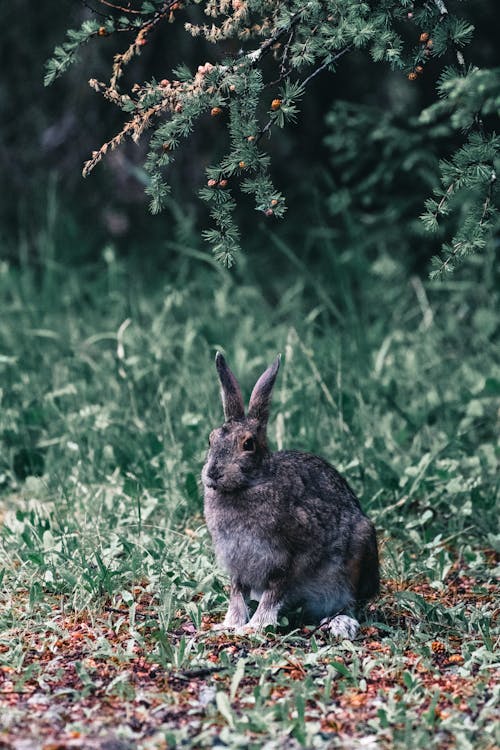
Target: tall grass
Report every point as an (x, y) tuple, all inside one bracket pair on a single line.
[(108, 392)]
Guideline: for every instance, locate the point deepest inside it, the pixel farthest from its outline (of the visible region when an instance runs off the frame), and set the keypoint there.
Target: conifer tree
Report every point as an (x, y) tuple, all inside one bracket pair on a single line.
[(284, 45)]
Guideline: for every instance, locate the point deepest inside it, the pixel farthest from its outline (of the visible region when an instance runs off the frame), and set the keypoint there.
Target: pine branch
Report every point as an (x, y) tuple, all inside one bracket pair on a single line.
[(293, 42)]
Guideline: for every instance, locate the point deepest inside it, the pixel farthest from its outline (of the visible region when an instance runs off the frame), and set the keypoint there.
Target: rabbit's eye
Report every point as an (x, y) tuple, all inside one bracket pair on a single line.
[(249, 444)]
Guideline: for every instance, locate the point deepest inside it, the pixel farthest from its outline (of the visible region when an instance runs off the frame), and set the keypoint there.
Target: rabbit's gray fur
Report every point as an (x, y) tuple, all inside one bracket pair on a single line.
[(286, 525)]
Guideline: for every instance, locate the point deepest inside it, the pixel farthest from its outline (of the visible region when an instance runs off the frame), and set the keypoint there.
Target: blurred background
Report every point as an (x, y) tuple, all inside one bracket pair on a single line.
[(355, 168), (109, 313)]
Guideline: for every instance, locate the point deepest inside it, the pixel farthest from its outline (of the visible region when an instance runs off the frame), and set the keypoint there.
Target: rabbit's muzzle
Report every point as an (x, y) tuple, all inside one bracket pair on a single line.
[(223, 473), (211, 474), (214, 476)]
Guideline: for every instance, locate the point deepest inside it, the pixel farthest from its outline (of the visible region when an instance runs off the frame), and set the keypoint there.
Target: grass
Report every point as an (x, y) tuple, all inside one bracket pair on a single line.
[(108, 582)]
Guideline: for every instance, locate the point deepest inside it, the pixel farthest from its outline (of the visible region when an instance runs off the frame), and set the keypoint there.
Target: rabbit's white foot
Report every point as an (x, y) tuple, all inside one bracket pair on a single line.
[(254, 626), (261, 620), (341, 626), (265, 614), (234, 620), (245, 630), (221, 626)]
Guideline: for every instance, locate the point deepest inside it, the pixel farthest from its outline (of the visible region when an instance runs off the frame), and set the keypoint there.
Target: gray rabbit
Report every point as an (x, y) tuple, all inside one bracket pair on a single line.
[(286, 526)]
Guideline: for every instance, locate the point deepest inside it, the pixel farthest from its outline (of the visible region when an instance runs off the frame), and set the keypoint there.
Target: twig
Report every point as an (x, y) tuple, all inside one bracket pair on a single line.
[(119, 7), (486, 208), (443, 200), (487, 202), (92, 10), (326, 64), (286, 50), (256, 54)]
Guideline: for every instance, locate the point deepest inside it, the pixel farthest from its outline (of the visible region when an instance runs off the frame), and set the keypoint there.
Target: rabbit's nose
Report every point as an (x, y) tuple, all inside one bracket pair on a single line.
[(213, 471), (214, 474)]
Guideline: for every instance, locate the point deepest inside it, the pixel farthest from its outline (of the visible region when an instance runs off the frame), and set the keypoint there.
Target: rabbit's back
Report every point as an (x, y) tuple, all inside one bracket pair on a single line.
[(339, 539), (309, 480)]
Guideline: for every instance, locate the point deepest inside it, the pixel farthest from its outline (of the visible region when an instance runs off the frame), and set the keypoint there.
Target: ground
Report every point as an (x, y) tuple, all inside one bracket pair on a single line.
[(422, 670)]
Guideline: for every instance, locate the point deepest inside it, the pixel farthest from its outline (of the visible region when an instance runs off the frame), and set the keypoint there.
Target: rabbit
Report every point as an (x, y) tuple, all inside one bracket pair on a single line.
[(286, 526)]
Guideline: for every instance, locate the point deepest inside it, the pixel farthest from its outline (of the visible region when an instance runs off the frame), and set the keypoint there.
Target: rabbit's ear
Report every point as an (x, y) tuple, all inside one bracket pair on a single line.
[(232, 400), (260, 399)]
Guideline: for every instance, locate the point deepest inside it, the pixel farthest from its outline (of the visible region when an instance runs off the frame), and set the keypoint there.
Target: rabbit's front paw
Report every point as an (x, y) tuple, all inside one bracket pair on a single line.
[(221, 626), (259, 623), (266, 613), (254, 626), (237, 612), (236, 616), (341, 626), (232, 621)]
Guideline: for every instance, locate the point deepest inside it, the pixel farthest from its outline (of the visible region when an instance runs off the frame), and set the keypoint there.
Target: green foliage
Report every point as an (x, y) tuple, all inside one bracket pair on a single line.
[(67, 53), (284, 46), (382, 166), (466, 97), (469, 178)]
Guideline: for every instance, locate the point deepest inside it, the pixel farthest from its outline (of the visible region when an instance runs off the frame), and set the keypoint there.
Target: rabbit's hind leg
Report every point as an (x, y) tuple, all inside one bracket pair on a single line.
[(363, 566), (328, 595), (341, 626)]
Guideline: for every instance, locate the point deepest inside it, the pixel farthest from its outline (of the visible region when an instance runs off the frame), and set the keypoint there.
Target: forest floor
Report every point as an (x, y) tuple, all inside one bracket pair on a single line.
[(92, 679)]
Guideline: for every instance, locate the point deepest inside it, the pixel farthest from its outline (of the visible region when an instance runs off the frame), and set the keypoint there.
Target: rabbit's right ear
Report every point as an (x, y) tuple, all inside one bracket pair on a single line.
[(232, 400), (260, 400)]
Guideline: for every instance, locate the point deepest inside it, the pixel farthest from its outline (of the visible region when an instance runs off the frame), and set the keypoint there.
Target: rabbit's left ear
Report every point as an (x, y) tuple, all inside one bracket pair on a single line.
[(260, 400), (232, 400)]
